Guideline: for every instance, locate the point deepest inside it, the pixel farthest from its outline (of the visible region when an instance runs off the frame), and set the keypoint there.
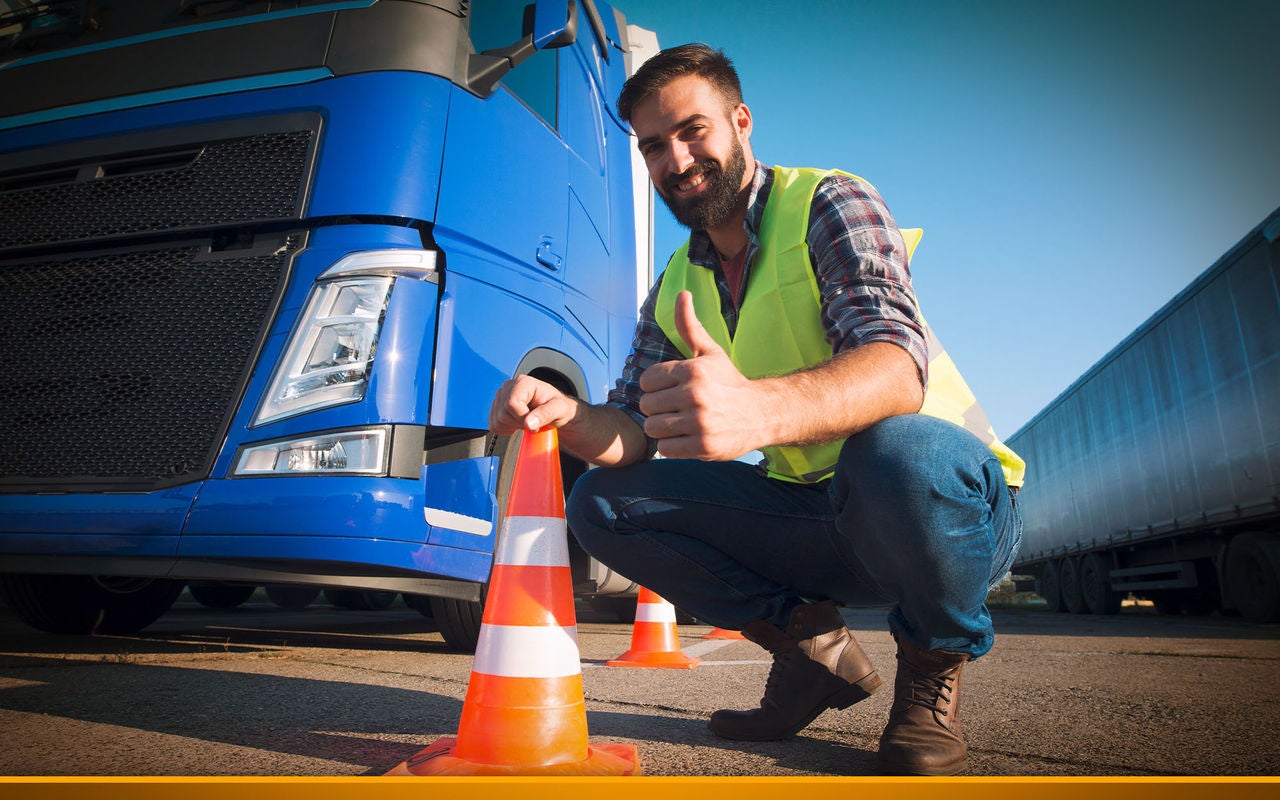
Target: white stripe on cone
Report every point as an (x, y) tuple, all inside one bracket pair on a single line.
[(655, 612), (520, 651), (533, 542)]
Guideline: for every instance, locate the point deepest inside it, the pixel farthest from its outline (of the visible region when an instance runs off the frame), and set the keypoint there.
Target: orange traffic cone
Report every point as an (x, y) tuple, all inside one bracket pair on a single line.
[(524, 712), (723, 633), (655, 642)]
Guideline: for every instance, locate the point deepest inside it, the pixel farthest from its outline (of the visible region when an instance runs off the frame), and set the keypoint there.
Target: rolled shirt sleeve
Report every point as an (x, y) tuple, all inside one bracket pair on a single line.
[(861, 265)]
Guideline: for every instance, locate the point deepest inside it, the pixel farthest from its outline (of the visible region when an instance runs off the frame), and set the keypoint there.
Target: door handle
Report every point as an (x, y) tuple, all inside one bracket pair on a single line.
[(547, 257)]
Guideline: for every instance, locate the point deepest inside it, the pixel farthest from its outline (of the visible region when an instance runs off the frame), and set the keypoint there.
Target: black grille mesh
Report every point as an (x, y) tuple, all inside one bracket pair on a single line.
[(121, 367), (234, 181)]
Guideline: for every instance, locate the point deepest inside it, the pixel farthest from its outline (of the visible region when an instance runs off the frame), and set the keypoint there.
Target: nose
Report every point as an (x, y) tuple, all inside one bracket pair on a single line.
[(676, 157)]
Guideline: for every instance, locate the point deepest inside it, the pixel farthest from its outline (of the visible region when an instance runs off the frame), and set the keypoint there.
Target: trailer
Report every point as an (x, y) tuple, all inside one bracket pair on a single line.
[(1156, 474)]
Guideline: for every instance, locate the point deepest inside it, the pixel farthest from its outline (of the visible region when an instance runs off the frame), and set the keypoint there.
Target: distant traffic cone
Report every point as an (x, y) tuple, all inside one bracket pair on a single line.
[(655, 641), (723, 633), (524, 712)]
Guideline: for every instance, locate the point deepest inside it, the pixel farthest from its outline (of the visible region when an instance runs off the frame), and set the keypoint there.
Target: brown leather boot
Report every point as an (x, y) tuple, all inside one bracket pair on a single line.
[(923, 736), (817, 664)]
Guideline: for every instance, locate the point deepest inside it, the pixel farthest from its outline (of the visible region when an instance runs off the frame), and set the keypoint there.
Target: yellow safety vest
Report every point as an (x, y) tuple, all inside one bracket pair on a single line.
[(774, 337)]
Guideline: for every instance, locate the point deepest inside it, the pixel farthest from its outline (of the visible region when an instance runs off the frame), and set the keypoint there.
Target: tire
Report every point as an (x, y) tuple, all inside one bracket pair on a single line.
[(458, 621), (1051, 586), (359, 599), (220, 595), (292, 598), (81, 604), (1253, 577), (1095, 585), (1072, 596)]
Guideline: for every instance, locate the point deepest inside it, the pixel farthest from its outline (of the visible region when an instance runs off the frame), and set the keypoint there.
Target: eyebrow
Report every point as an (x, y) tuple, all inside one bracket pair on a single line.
[(684, 123)]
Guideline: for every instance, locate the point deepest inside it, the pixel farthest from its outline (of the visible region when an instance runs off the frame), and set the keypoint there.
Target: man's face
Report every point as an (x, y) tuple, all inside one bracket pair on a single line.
[(693, 148)]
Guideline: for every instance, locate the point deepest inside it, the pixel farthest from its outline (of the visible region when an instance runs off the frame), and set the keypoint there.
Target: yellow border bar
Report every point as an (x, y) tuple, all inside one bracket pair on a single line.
[(638, 788)]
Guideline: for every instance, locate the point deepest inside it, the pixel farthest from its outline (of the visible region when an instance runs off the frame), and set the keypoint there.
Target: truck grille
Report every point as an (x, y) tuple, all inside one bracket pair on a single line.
[(89, 196), (122, 367)]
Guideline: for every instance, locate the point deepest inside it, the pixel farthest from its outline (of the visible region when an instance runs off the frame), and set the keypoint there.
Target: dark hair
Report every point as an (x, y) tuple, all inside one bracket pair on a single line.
[(676, 62)]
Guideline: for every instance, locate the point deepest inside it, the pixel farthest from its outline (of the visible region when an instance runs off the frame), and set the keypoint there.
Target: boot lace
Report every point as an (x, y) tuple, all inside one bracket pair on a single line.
[(931, 691), (781, 660)]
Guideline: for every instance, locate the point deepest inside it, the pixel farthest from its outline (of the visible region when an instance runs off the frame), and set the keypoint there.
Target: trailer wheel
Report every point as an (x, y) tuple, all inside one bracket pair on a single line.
[(1253, 577), (212, 594), (1072, 595), (80, 604), (1051, 586), (1095, 586), (292, 598)]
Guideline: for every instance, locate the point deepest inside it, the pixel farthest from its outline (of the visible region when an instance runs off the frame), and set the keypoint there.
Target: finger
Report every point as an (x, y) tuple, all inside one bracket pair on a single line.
[(690, 328), (664, 375)]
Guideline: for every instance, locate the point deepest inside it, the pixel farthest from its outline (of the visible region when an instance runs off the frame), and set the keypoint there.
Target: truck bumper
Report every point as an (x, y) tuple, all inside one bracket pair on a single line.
[(440, 526)]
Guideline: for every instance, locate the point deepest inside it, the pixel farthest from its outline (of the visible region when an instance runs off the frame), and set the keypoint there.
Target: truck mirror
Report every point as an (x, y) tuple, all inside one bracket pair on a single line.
[(484, 70), (552, 23)]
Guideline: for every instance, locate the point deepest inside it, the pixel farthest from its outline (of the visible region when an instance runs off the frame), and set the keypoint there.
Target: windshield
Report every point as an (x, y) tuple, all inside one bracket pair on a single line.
[(37, 26)]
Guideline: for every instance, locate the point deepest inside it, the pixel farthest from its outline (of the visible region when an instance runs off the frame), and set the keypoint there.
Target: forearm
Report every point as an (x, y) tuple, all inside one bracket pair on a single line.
[(603, 435), (840, 397)]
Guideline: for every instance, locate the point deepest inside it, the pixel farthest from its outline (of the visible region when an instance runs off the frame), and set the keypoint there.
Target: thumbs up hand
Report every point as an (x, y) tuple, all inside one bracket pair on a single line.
[(701, 407)]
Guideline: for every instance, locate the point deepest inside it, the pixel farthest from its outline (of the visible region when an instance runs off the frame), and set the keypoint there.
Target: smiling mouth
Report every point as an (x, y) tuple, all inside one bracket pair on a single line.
[(691, 181)]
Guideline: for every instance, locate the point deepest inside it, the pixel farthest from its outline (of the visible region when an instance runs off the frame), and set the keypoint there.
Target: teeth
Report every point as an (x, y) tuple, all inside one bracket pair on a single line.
[(691, 183)]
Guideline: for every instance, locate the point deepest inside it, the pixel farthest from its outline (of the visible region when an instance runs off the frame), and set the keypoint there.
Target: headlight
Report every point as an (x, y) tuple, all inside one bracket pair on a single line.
[(330, 356), (350, 452)]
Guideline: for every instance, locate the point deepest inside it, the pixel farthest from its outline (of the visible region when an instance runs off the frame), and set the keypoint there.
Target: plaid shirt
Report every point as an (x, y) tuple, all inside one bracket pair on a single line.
[(860, 262)]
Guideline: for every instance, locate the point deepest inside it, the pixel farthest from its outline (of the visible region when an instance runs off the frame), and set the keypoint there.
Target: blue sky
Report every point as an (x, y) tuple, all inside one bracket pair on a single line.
[(1074, 164)]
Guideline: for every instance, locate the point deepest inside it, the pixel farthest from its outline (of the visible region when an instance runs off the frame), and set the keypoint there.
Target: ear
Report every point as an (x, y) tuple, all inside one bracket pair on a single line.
[(742, 121)]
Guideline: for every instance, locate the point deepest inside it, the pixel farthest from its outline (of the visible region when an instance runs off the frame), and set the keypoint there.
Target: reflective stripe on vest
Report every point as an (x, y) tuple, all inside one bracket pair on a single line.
[(772, 338)]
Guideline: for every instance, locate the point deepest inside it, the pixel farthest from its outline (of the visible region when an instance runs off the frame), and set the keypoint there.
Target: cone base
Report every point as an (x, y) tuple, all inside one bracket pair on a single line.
[(602, 759), (722, 633), (661, 659)]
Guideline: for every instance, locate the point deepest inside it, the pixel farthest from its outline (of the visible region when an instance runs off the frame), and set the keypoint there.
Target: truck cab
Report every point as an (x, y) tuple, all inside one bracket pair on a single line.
[(265, 264)]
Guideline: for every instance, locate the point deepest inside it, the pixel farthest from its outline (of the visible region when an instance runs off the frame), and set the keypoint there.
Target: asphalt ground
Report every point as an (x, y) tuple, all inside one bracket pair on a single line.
[(260, 691)]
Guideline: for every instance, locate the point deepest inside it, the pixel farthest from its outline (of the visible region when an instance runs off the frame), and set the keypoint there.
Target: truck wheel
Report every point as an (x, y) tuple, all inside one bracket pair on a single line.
[(1095, 585), (360, 600), (458, 621), (1072, 596), (220, 595), (1051, 586), (1253, 577), (80, 604), (292, 598)]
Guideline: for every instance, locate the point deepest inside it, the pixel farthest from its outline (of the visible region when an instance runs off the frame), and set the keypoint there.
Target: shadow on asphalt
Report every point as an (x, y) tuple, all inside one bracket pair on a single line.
[(301, 717)]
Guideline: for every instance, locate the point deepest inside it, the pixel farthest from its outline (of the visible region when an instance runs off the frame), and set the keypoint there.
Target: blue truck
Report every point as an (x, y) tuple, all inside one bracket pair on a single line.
[(263, 264)]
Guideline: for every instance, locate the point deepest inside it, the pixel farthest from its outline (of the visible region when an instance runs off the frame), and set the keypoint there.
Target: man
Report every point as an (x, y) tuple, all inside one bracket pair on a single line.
[(787, 324)]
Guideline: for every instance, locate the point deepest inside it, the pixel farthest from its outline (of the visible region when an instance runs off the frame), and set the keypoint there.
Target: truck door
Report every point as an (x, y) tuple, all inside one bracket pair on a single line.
[(582, 119), (504, 182)]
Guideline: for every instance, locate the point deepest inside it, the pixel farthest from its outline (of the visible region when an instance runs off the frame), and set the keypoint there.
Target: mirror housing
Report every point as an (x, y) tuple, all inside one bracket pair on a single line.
[(548, 24)]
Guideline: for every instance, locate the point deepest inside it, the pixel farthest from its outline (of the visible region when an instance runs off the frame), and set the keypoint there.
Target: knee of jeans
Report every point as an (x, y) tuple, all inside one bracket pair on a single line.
[(909, 456)]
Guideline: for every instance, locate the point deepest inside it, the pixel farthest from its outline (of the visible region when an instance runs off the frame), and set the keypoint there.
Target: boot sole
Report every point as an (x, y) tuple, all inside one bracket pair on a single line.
[(853, 693), (888, 768)]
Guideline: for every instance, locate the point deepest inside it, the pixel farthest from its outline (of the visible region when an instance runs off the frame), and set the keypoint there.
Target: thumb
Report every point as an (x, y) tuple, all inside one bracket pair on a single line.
[(690, 328)]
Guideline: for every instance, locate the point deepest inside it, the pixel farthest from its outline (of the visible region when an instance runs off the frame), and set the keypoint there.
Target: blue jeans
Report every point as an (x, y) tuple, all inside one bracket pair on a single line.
[(917, 517)]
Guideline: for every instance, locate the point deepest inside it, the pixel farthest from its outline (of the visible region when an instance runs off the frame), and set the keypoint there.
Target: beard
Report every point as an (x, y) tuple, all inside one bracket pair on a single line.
[(717, 202)]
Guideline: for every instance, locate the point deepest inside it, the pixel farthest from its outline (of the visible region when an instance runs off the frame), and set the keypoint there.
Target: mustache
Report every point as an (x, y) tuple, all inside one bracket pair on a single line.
[(699, 168)]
